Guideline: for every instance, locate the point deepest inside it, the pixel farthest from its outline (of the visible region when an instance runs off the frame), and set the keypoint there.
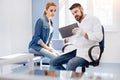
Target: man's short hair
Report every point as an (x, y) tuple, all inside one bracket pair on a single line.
[(75, 5)]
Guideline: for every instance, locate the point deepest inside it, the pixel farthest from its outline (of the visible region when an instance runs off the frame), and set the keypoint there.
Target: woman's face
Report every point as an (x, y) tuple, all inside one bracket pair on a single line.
[(51, 11)]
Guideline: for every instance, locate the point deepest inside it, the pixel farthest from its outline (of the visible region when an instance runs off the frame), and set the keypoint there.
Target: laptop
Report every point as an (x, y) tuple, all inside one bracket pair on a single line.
[(66, 31)]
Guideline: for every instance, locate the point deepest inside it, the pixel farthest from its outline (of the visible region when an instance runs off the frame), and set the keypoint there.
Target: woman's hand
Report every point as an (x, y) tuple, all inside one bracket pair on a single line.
[(49, 49), (46, 47)]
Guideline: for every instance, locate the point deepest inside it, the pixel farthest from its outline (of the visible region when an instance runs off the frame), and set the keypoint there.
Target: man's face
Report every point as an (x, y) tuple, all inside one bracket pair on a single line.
[(77, 13)]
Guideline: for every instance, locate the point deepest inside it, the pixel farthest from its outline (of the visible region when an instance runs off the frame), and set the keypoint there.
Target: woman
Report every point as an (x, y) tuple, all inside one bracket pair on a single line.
[(40, 43)]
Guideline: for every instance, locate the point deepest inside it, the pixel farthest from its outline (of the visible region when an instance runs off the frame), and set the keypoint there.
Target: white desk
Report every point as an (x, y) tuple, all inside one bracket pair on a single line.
[(61, 75), (18, 58)]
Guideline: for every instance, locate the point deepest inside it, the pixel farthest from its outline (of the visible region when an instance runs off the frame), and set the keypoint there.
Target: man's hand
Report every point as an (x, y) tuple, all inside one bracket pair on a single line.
[(66, 40), (78, 31)]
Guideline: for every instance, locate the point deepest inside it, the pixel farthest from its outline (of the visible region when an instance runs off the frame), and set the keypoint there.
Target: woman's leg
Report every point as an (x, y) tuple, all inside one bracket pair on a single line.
[(75, 62), (43, 52), (32, 51), (47, 53)]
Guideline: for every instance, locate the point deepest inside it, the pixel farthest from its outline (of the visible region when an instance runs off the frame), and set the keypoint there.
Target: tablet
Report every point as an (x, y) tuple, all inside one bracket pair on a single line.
[(66, 31)]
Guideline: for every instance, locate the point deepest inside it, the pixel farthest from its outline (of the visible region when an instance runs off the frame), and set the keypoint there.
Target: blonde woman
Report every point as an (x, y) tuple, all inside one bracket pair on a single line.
[(40, 43)]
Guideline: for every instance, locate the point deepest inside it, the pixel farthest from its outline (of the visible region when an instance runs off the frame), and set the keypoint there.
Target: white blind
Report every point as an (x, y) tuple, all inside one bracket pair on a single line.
[(103, 10), (106, 10)]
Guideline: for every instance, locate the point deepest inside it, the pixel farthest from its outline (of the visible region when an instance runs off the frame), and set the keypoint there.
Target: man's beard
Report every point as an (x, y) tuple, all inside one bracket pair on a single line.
[(79, 18)]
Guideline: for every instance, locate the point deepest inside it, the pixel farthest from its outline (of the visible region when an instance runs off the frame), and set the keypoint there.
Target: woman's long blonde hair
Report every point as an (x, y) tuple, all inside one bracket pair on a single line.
[(47, 6)]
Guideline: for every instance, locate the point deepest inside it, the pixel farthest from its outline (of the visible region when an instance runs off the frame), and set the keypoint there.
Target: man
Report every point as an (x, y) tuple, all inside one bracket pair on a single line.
[(88, 34)]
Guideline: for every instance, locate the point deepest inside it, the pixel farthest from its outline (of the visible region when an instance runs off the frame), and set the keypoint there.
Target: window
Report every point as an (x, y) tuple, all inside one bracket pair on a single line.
[(106, 11), (103, 10)]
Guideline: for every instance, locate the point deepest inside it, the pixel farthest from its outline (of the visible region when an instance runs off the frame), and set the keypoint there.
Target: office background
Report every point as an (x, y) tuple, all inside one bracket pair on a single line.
[(16, 28)]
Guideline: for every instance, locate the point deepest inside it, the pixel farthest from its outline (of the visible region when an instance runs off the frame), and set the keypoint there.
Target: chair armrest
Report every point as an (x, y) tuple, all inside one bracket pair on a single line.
[(91, 55), (63, 48), (68, 48)]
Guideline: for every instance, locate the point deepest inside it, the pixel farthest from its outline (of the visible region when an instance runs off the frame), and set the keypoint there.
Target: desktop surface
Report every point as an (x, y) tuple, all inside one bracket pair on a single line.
[(38, 74)]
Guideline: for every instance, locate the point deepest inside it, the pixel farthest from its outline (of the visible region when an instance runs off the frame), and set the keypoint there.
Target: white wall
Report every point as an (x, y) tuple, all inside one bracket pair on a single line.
[(15, 26), (112, 48)]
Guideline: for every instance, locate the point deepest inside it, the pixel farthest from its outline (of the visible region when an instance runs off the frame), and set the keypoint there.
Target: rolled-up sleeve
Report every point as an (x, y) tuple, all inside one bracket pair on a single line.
[(38, 30)]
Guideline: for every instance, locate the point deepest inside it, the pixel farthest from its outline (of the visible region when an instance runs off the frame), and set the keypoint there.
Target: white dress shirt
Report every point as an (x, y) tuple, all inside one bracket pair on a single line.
[(92, 26)]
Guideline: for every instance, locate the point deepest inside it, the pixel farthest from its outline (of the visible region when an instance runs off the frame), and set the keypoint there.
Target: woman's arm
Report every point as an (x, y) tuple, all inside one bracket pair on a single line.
[(46, 47), (38, 31)]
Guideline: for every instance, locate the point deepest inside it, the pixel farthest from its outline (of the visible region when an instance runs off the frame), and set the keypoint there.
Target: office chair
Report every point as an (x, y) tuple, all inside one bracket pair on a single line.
[(94, 61)]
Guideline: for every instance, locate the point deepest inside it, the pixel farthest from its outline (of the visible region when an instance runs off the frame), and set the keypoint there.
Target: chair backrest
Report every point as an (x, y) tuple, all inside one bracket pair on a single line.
[(102, 42), (101, 45)]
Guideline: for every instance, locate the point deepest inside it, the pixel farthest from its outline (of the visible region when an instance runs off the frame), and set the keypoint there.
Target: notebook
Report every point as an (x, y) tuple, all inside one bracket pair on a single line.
[(66, 31)]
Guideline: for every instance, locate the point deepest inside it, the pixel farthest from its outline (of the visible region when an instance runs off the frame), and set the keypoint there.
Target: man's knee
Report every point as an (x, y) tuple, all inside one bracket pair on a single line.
[(71, 65)]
